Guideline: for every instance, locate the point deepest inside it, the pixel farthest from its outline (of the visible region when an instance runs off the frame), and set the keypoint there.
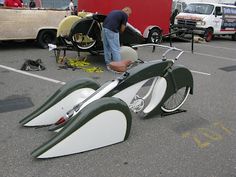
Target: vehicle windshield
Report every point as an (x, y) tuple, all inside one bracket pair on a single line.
[(199, 9)]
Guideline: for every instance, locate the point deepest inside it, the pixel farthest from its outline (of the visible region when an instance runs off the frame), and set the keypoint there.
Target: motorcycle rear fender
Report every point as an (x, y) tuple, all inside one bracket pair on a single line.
[(93, 127), (60, 95), (182, 77)]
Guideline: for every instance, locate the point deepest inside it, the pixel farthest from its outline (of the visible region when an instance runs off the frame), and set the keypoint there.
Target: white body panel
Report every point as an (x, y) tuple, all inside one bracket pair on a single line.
[(105, 129), (101, 93), (157, 94), (128, 94), (58, 110)]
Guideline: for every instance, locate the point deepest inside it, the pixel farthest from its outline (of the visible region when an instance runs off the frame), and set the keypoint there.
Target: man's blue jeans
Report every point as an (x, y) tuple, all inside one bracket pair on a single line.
[(111, 45)]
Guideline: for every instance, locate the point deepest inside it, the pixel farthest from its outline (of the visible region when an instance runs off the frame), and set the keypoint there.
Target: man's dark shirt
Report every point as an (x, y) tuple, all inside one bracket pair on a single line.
[(114, 20), (32, 4)]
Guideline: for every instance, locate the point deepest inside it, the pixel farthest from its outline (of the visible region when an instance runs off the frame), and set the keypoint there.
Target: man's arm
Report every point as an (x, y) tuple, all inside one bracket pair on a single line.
[(122, 28)]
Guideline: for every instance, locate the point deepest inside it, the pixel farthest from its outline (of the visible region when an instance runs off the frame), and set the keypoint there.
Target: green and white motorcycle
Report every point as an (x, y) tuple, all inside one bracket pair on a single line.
[(88, 116)]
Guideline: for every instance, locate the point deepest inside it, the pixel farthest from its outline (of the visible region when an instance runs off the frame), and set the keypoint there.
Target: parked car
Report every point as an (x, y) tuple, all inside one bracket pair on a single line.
[(24, 24)]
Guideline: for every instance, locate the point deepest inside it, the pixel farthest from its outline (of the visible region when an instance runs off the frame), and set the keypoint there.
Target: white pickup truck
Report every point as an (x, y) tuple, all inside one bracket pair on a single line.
[(23, 24)]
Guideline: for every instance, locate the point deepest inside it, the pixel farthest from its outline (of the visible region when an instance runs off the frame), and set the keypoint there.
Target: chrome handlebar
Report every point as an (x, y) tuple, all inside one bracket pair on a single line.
[(169, 49)]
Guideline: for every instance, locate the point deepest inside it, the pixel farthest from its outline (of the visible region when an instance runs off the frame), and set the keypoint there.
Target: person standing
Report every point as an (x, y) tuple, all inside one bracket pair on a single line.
[(114, 23), (32, 4), (72, 7)]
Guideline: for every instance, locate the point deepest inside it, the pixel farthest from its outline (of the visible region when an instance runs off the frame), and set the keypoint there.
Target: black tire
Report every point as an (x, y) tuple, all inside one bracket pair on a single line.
[(46, 37), (208, 35), (176, 100), (154, 36), (234, 37), (97, 49), (85, 33), (82, 41), (181, 36)]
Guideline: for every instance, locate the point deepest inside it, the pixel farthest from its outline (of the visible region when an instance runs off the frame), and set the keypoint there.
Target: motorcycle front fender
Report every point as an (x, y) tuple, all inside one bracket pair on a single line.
[(182, 77)]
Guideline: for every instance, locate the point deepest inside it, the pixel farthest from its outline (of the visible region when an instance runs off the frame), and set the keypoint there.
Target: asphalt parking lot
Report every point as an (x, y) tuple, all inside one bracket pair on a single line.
[(197, 143)]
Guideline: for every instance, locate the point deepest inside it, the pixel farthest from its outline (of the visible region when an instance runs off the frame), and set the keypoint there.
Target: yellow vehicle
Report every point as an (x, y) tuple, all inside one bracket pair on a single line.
[(24, 24)]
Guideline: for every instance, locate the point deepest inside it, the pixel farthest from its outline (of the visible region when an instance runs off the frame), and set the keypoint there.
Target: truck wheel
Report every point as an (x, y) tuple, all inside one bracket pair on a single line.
[(234, 37), (208, 34), (154, 36), (46, 37)]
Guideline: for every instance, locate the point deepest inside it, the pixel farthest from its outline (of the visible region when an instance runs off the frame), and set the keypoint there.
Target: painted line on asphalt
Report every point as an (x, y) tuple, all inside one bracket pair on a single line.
[(218, 47), (32, 75), (199, 72), (213, 56)]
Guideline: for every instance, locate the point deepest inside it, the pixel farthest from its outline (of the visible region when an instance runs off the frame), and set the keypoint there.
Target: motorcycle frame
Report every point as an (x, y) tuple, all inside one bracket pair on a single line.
[(136, 77)]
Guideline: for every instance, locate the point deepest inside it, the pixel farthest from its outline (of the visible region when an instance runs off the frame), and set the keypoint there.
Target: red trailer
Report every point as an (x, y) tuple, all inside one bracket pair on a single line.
[(151, 17)]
